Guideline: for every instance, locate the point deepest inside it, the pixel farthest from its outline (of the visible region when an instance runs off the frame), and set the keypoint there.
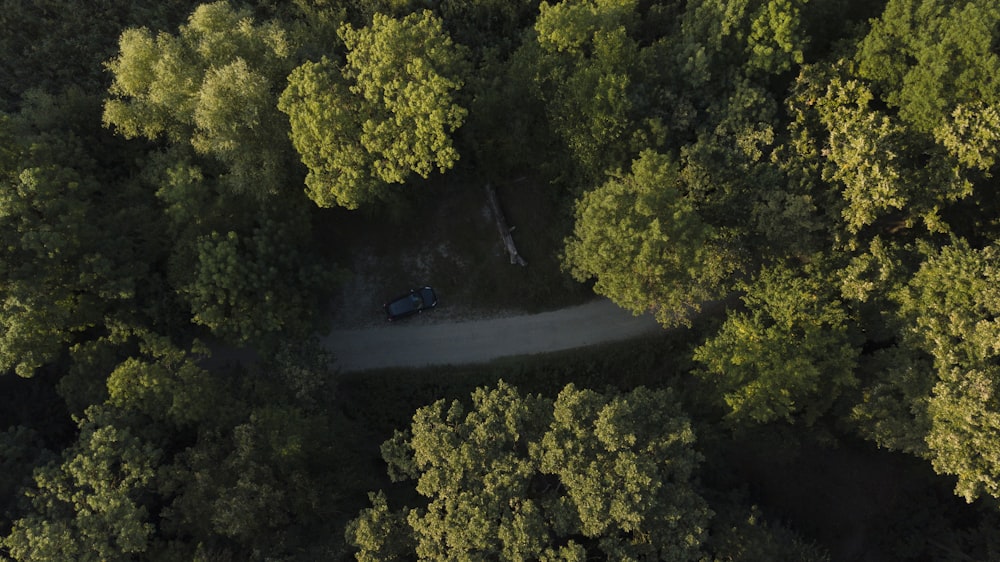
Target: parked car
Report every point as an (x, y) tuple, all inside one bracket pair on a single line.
[(414, 302)]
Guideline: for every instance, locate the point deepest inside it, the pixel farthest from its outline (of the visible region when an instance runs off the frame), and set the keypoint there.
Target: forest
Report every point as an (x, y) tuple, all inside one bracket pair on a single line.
[(800, 191)]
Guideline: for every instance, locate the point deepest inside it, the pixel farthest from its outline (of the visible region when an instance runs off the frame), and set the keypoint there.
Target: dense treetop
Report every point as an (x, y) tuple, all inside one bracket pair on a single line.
[(387, 114), (524, 477), (818, 175)]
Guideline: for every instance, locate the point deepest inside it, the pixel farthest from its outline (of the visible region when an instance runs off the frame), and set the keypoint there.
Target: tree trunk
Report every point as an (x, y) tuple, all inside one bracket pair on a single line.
[(508, 241)]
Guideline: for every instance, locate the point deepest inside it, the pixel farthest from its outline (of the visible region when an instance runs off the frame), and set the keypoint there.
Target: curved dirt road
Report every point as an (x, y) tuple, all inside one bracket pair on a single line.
[(479, 341)]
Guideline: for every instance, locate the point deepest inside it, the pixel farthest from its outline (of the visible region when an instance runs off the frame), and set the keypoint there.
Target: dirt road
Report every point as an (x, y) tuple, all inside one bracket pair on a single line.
[(479, 341)]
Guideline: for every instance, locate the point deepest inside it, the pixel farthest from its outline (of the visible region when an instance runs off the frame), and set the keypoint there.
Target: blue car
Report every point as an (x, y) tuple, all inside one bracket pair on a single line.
[(414, 302)]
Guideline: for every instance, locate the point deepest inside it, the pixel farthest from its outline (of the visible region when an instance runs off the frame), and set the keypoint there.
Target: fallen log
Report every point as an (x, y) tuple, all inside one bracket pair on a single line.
[(508, 240)]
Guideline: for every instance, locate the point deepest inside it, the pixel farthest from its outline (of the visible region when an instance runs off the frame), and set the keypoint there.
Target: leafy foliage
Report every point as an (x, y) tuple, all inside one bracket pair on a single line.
[(931, 56), (325, 132), (583, 59), (833, 160), (790, 353), (952, 306), (970, 134), (250, 290), (211, 86), (71, 250), (873, 158), (522, 477), (176, 452), (57, 45), (387, 114), (642, 237), (89, 507)]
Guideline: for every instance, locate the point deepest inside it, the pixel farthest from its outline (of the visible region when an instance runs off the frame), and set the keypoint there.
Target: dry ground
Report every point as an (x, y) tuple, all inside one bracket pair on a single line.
[(443, 235)]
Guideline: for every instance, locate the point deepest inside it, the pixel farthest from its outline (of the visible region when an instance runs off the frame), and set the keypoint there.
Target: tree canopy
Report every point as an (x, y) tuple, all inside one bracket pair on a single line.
[(951, 307), (522, 477), (210, 86), (804, 192), (791, 352), (931, 56), (72, 253), (387, 114), (642, 237)]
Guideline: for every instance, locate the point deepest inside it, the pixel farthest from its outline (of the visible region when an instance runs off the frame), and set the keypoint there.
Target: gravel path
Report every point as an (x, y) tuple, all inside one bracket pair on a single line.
[(479, 341)]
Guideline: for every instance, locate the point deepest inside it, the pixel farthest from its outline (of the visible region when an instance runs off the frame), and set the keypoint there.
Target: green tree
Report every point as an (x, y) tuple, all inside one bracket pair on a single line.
[(163, 382), (407, 72), (44, 226), (877, 179), (61, 44), (720, 43), (487, 24), (583, 60), (892, 407), (182, 463), (884, 169), (802, 200), (506, 131), (731, 177), (326, 132), (627, 463), (523, 477), (776, 39), (257, 288), (211, 86), (791, 353), (245, 269), (641, 235), (386, 115), (951, 308), (971, 134), (930, 56), (381, 534), (74, 251), (22, 450), (474, 469), (744, 37), (263, 466), (91, 505), (244, 483)]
